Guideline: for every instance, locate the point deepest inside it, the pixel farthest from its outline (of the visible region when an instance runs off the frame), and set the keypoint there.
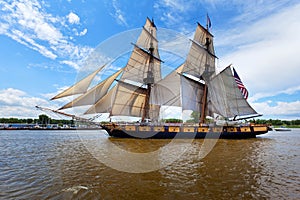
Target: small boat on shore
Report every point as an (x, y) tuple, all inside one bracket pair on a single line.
[(282, 128)]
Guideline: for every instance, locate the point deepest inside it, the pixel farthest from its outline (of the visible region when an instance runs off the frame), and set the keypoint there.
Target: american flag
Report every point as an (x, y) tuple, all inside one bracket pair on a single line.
[(240, 84), (208, 22)]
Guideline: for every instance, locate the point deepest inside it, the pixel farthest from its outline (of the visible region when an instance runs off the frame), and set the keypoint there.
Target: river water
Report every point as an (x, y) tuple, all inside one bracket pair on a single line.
[(83, 165)]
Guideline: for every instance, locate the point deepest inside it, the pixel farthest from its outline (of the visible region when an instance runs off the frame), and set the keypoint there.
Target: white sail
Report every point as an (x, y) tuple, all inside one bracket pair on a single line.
[(93, 95), (129, 100), (200, 58), (200, 37), (104, 105), (137, 67), (167, 91), (225, 98), (192, 92), (148, 36), (138, 63), (80, 87)]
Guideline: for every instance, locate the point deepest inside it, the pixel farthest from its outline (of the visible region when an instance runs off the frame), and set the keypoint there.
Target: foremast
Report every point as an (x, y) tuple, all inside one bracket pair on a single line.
[(206, 73), (149, 80), (131, 95)]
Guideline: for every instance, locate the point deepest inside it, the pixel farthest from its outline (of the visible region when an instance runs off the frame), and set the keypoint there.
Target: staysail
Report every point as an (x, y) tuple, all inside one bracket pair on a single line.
[(104, 104), (167, 91), (79, 87), (93, 95)]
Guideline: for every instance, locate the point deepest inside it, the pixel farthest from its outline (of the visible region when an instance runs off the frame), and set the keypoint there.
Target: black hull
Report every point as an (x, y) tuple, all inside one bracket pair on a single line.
[(119, 133)]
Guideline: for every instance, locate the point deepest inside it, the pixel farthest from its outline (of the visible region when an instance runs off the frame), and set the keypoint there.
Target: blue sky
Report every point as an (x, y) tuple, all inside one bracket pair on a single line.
[(44, 43)]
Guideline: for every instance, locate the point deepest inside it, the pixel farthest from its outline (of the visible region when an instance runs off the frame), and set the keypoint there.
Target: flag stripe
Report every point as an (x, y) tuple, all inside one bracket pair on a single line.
[(240, 84)]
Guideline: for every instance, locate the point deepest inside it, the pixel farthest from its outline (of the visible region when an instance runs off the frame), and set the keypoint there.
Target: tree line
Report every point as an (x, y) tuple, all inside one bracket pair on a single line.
[(277, 122), (43, 119)]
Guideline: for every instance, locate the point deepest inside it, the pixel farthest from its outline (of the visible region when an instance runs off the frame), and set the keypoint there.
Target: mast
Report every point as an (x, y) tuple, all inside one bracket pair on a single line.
[(206, 74), (203, 108), (149, 80), (140, 74)]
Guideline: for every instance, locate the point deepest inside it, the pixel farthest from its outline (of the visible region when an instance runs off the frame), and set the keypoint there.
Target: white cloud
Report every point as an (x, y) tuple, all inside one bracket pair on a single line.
[(70, 63), (265, 52), (118, 13), (282, 110), (174, 12), (73, 18), (247, 10), (27, 22), (83, 32), (16, 103), (288, 91), (179, 5)]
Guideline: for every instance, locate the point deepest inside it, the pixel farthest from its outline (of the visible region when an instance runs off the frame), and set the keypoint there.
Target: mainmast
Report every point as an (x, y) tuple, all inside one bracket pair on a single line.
[(206, 75), (149, 80)]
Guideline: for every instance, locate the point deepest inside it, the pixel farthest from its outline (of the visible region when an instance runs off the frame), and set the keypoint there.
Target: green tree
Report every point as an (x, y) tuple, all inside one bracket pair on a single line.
[(194, 117), (29, 121), (172, 120), (43, 119)]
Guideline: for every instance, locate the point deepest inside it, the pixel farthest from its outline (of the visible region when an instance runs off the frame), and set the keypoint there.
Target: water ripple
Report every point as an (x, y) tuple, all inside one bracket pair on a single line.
[(57, 165)]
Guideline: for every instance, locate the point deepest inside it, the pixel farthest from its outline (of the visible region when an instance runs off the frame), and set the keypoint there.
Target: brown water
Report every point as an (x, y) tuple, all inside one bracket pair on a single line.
[(59, 165)]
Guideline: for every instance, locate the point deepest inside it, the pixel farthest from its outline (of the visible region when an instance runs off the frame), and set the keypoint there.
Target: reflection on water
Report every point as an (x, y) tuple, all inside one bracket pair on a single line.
[(58, 165)]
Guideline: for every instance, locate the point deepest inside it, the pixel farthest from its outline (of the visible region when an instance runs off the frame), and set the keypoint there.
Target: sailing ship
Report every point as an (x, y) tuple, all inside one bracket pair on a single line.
[(139, 90)]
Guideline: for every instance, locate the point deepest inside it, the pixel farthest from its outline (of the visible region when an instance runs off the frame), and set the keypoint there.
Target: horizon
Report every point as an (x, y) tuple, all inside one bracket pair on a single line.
[(44, 45), (163, 119)]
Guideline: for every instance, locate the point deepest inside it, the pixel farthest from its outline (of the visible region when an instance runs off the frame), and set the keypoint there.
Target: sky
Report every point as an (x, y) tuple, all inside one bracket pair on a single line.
[(44, 44)]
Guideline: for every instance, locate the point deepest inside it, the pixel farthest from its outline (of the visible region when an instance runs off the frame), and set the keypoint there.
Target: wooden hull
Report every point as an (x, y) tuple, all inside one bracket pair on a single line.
[(188, 132)]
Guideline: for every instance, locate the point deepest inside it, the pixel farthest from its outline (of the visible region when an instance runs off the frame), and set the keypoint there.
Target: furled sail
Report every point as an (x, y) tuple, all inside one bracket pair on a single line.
[(80, 87), (201, 56), (225, 98), (93, 95)]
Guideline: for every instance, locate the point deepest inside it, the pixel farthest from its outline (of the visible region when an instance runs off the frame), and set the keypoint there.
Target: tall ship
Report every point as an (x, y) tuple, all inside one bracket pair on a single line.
[(216, 100)]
